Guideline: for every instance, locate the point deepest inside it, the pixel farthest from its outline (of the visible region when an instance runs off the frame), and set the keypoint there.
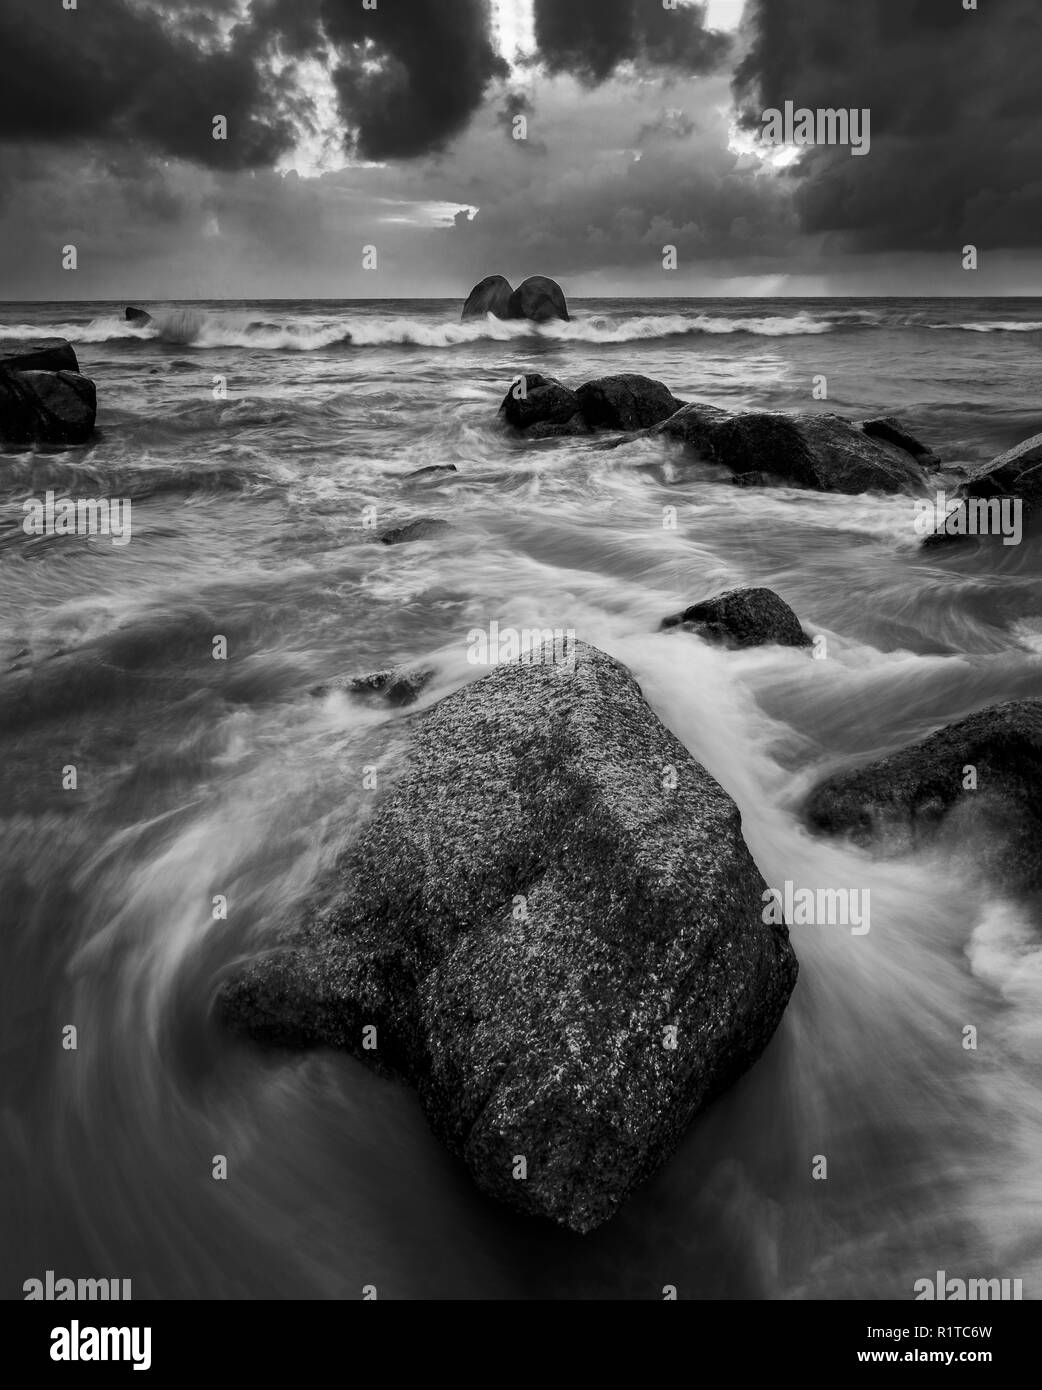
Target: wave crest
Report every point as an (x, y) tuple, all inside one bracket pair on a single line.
[(197, 328)]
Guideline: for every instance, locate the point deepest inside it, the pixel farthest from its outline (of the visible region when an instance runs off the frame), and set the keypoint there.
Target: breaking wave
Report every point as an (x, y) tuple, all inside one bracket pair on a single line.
[(201, 328), (186, 327), (998, 326)]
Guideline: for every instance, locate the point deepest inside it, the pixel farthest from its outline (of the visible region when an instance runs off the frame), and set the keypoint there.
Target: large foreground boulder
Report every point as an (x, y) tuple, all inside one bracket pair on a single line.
[(823, 452), (43, 397), (981, 778), (743, 618), (562, 948), (538, 298), (489, 296)]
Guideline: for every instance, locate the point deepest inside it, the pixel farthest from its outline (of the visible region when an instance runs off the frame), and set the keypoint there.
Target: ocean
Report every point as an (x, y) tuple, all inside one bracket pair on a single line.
[(260, 444)]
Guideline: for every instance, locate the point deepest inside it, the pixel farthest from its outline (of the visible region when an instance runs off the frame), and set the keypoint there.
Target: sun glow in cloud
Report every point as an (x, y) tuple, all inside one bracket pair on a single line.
[(425, 214), (724, 14), (747, 143), (319, 148), (173, 11), (513, 28)]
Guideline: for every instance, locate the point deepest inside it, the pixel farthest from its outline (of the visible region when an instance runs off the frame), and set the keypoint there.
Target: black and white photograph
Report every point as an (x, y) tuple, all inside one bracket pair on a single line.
[(521, 668)]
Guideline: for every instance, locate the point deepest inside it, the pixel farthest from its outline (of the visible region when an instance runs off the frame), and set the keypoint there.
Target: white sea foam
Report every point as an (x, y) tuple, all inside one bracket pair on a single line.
[(998, 326), (196, 328)]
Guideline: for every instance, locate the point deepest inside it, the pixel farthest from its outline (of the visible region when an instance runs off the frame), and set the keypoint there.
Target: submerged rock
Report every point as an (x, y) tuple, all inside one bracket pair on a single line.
[(626, 402), (753, 480), (525, 921), (46, 407), (489, 296), (419, 530), (823, 452), (743, 618), (400, 685), (430, 471), (538, 298), (908, 798)]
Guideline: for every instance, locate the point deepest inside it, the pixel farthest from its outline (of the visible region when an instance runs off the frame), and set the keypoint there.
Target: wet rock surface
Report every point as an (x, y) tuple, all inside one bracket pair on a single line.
[(563, 954)]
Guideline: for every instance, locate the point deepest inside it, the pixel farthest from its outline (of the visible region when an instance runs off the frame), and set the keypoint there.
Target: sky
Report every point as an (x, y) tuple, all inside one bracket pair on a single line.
[(371, 149)]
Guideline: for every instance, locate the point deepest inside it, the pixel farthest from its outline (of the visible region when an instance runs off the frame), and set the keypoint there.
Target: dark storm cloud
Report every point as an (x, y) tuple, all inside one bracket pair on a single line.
[(409, 75), (435, 60), (591, 38), (108, 70), (956, 117)]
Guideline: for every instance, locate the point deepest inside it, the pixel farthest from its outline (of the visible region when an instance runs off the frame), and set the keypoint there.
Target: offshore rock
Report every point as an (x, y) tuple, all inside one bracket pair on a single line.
[(538, 298), (489, 296), (743, 618)]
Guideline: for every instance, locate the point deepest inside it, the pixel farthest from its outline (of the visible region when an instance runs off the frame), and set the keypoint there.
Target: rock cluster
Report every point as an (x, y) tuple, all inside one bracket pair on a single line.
[(538, 299)]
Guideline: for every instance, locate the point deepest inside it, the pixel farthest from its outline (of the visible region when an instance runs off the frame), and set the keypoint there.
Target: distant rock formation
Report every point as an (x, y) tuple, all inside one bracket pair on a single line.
[(568, 1044), (538, 298), (43, 397), (908, 798), (138, 317), (489, 296), (743, 618)]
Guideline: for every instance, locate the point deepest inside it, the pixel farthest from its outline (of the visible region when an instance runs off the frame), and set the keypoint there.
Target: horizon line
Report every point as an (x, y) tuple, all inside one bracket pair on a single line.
[(453, 298)]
